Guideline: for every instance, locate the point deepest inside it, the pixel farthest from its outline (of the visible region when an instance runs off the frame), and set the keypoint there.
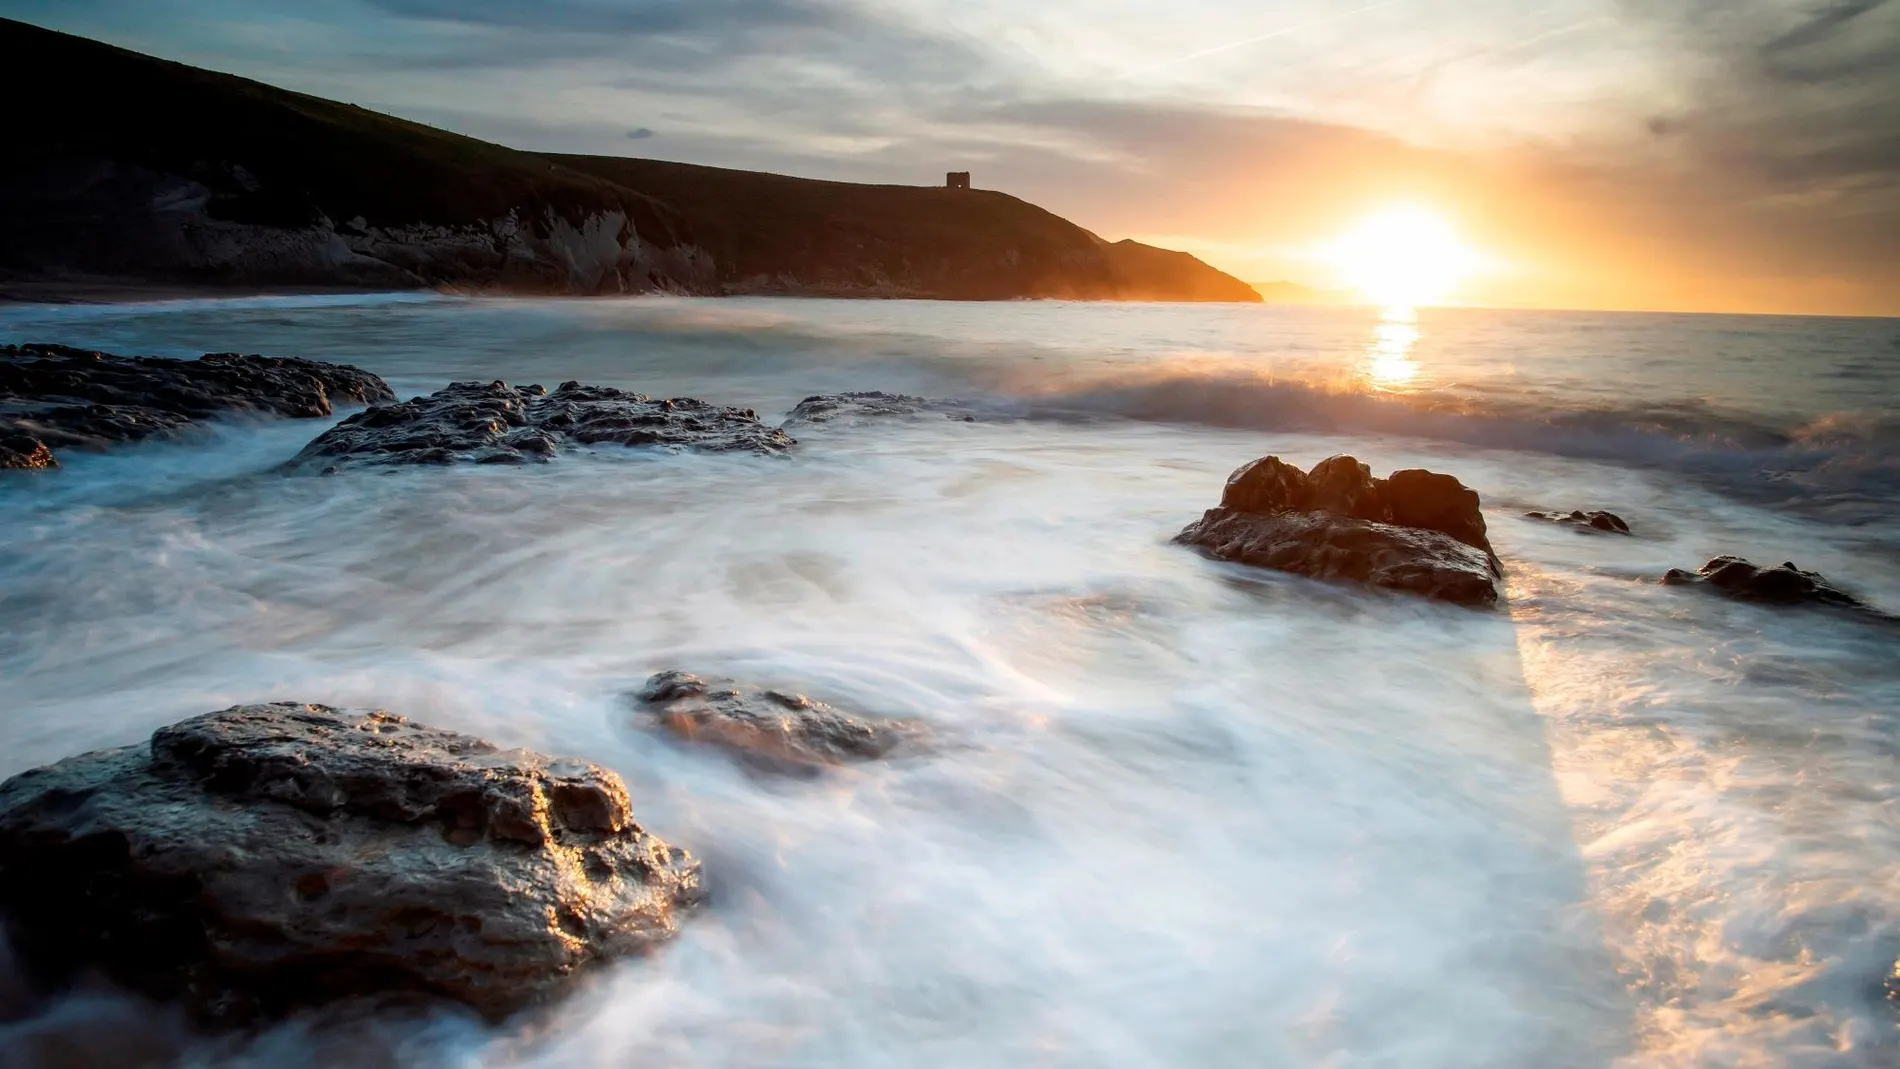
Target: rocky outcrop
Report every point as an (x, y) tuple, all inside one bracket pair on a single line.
[(768, 729), (23, 452), (868, 404), (1736, 578), (495, 423), (57, 397), (1415, 531), (1585, 522), (265, 858)]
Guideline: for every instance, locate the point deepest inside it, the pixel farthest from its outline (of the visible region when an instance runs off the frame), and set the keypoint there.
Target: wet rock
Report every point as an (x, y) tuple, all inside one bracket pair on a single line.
[(25, 453), (1608, 522), (1432, 501), (870, 404), (1784, 585), (266, 858), (57, 397), (768, 729), (495, 423), (1415, 531)]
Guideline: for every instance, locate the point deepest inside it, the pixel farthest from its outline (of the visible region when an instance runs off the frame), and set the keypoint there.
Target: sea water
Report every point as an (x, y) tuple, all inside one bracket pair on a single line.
[(1175, 812)]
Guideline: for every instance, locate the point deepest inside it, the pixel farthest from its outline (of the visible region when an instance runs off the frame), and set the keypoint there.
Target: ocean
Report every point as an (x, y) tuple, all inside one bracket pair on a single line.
[(1177, 812)]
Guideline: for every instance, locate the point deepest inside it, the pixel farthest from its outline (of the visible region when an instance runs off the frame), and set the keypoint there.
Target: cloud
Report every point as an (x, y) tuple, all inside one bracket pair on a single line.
[(626, 17), (1789, 97), (1671, 133), (1820, 29)]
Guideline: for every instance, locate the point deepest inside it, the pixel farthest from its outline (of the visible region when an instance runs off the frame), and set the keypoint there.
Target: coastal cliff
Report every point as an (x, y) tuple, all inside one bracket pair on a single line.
[(143, 170), (140, 171), (773, 234)]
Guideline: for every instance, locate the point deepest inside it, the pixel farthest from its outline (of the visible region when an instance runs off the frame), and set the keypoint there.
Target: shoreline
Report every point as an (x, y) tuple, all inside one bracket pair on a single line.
[(132, 291)]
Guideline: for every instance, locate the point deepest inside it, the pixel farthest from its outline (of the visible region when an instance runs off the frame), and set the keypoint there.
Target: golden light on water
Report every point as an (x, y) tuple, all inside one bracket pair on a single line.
[(1389, 362), (1403, 257)]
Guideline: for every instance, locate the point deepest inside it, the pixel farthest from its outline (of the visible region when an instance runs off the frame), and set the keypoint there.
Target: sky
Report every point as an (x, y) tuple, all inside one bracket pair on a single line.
[(1737, 155)]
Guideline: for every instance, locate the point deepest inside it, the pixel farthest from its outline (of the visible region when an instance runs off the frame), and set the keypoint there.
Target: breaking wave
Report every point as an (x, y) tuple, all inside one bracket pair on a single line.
[(1844, 462)]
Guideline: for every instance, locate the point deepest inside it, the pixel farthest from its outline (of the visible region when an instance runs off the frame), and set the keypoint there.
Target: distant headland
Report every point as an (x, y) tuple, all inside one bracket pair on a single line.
[(130, 172)]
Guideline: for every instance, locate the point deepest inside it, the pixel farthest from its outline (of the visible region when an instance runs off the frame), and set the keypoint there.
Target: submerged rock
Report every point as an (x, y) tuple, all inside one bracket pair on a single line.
[(1416, 531), (56, 397), (768, 729), (1784, 585), (269, 857), (837, 407), (1608, 522), (489, 423)]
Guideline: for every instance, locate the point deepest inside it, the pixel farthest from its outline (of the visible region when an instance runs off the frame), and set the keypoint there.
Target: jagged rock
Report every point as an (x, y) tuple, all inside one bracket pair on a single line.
[(56, 396), (1785, 585), (768, 729), (265, 858), (1415, 531), (1608, 522), (829, 407), (490, 423)]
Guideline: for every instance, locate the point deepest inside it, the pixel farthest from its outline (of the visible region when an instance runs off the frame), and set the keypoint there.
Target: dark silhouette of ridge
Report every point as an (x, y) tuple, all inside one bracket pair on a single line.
[(128, 169)]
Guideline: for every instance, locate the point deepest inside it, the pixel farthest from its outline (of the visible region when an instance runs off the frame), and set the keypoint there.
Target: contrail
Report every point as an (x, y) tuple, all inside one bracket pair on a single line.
[(1268, 36)]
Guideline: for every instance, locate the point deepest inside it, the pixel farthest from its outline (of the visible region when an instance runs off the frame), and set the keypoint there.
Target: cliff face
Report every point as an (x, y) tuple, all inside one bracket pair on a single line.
[(139, 169), (103, 218), (135, 169)]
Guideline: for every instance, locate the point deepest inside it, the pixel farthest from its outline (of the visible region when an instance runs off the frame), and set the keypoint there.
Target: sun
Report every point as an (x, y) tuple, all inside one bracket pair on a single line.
[(1403, 257)]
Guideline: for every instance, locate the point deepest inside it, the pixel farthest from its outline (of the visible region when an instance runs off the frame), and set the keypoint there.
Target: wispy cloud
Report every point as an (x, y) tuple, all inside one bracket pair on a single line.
[(1702, 127)]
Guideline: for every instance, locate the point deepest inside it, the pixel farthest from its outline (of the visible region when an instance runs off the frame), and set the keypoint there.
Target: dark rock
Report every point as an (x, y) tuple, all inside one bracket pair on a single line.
[(1785, 585), (830, 407), (1342, 486), (25, 452), (1340, 548), (265, 858), (498, 423), (768, 729), (1435, 502), (55, 396), (1416, 531), (1608, 522), (1265, 485)]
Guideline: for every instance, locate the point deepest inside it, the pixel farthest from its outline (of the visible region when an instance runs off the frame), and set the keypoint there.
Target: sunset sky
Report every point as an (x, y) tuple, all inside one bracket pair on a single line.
[(1700, 154)]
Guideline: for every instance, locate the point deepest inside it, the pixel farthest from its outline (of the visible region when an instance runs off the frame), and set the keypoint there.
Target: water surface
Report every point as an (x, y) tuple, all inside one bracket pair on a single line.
[(1181, 813)]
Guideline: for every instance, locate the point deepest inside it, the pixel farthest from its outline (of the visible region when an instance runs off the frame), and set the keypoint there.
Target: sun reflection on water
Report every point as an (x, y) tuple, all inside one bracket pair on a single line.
[(1389, 363)]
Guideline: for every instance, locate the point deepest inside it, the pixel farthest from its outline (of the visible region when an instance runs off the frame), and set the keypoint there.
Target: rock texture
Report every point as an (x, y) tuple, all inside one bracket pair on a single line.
[(56, 396), (495, 423), (266, 858), (24, 452), (1416, 531), (768, 729), (868, 404), (1784, 585), (1607, 522)]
